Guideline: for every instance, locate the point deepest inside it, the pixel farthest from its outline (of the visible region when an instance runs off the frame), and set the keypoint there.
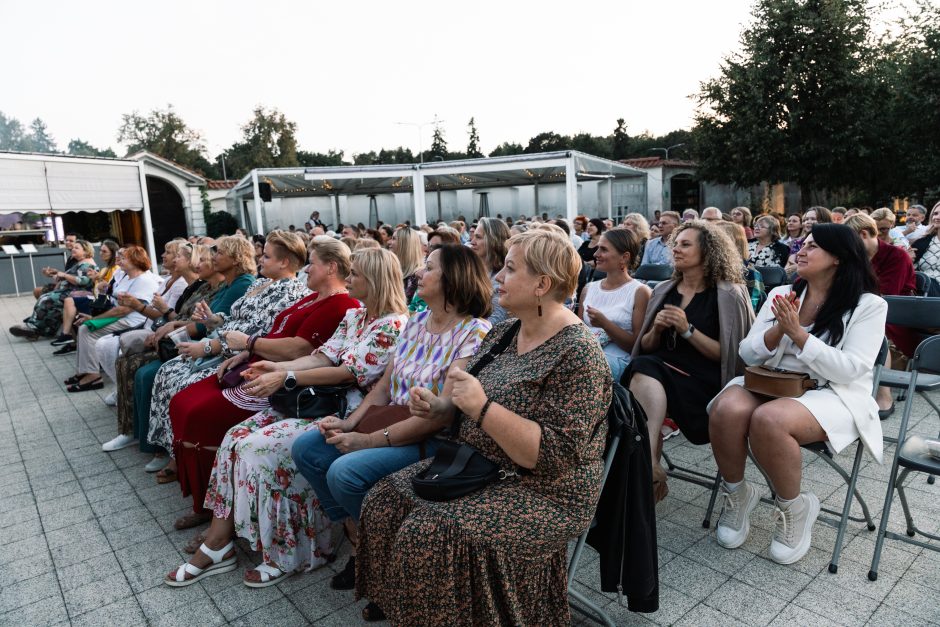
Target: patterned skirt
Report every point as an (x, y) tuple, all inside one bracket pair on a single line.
[(495, 557), (255, 481), (127, 366), (172, 377)]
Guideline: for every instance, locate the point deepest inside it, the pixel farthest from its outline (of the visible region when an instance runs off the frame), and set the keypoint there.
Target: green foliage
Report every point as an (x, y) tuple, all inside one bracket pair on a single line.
[(206, 205), (620, 143), (14, 137), (548, 141), (82, 148), (220, 223), (473, 145), (313, 159), (385, 156), (507, 149), (268, 141), (39, 139), (438, 145), (164, 133)]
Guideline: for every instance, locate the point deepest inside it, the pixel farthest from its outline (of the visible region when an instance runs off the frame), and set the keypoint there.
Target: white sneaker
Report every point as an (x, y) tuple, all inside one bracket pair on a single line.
[(111, 399), (734, 523), (122, 441), (793, 529)]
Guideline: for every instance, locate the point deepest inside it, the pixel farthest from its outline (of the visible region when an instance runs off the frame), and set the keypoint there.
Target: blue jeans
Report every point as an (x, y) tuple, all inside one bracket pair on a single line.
[(341, 482)]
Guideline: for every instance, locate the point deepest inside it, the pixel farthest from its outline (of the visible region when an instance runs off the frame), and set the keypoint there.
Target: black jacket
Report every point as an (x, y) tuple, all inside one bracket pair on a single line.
[(920, 247), (625, 530)]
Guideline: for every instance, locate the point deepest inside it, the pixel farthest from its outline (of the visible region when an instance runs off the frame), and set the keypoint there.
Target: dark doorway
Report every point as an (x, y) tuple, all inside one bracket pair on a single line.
[(166, 211), (684, 192)]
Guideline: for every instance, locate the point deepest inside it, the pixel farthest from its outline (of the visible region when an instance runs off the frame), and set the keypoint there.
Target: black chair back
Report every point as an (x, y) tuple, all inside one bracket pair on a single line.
[(927, 355), (913, 311), (653, 272), (774, 276)]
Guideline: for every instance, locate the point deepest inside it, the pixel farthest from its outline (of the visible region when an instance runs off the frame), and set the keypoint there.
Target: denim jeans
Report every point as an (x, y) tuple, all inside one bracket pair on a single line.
[(342, 481)]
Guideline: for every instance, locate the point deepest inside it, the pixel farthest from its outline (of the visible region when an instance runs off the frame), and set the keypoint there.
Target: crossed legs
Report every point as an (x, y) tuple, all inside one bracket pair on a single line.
[(651, 394)]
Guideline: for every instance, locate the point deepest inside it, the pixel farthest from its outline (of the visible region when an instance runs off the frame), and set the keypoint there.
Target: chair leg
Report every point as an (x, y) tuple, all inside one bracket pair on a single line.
[(931, 479), (711, 502), (576, 557), (883, 526), (908, 519), (846, 509)]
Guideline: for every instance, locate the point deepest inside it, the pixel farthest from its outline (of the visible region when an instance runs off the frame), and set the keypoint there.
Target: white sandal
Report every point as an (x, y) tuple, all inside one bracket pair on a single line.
[(270, 575), (219, 566)]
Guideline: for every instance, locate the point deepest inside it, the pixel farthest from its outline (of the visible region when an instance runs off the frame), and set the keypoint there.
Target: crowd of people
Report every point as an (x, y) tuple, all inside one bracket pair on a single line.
[(297, 384)]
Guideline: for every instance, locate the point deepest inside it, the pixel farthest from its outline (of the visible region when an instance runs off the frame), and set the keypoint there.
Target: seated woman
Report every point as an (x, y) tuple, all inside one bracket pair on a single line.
[(342, 465), (202, 413), (489, 243), (616, 305), (834, 336), (766, 249), (689, 340), (498, 556), (79, 301), (794, 230), (47, 312), (254, 313), (752, 277), (133, 357), (927, 248), (255, 490), (595, 229), (138, 281), (407, 247), (812, 216)]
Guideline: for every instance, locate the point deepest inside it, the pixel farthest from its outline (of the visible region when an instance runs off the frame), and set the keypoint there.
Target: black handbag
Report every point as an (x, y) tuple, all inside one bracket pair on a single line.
[(166, 349), (101, 304), (314, 401), (459, 469)]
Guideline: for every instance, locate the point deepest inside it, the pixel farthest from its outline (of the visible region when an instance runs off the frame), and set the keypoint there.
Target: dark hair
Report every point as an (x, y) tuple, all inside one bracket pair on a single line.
[(625, 241), (854, 277), (561, 224), (465, 281), (113, 246), (74, 234), (601, 227)]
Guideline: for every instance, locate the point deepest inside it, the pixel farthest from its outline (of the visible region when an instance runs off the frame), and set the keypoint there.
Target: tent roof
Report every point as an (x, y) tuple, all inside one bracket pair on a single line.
[(512, 170)]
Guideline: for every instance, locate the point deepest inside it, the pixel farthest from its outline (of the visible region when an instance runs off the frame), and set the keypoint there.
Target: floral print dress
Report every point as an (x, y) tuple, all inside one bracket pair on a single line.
[(254, 478), (252, 313), (47, 312)]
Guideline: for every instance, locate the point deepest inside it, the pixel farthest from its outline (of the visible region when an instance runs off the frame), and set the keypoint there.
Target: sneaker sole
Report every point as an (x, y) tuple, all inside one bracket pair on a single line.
[(803, 549), (749, 506)]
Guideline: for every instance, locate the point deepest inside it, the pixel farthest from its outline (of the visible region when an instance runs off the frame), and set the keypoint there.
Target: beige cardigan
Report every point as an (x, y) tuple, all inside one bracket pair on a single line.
[(735, 316)]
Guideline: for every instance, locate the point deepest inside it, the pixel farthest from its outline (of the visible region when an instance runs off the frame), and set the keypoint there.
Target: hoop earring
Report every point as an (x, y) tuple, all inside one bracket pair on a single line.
[(540, 304)]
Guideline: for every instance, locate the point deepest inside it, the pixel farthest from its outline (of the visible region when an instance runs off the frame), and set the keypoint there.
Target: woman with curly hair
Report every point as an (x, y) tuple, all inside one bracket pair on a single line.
[(688, 347)]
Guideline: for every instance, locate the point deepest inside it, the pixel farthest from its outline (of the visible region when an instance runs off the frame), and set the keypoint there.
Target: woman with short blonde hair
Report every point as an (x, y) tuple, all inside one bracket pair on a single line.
[(410, 255), (240, 250), (638, 223)]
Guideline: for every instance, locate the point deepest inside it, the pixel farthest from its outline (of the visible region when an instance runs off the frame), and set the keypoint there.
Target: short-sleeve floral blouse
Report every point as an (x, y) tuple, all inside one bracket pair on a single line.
[(422, 357)]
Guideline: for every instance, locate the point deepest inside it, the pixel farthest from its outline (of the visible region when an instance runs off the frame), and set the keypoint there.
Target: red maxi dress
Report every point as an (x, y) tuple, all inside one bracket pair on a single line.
[(203, 412)]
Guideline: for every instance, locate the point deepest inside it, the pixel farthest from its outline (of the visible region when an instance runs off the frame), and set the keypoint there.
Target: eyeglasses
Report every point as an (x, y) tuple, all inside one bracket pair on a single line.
[(214, 250)]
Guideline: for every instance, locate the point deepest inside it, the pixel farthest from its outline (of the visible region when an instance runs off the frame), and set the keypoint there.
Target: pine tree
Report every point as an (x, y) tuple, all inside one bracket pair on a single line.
[(473, 146)]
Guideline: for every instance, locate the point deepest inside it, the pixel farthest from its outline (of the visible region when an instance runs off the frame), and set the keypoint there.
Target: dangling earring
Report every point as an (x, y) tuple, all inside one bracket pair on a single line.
[(540, 304)]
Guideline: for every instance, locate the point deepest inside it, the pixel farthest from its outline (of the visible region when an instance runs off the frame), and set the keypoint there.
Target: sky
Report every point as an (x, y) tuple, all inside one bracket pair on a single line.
[(348, 73)]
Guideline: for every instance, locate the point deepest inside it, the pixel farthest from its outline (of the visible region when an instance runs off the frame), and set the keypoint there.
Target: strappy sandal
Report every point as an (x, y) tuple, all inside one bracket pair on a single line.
[(372, 613), (270, 575), (97, 384), (220, 564), (167, 476), (74, 379)]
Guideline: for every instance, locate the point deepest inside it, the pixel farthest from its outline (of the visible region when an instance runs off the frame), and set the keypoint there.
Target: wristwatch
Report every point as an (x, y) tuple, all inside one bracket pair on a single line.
[(688, 333), (207, 347), (290, 382)]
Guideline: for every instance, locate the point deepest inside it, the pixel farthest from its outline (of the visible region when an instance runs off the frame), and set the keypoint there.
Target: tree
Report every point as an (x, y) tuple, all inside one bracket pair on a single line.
[(313, 159), (268, 141), (39, 139), (82, 148), (591, 144), (620, 141), (438, 144), (164, 133), (506, 149), (473, 145), (794, 104), (385, 156), (547, 142), (12, 136)]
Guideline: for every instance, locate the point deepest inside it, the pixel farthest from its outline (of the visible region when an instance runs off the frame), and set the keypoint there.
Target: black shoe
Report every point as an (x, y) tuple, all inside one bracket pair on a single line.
[(65, 349), (24, 330), (63, 339), (372, 613), (884, 414), (346, 579)]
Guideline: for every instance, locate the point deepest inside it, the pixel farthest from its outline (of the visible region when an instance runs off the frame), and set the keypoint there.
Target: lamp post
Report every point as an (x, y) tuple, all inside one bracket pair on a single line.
[(420, 126), (666, 150)]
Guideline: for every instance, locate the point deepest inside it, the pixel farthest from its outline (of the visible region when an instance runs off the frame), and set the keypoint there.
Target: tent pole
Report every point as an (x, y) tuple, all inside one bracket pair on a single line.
[(571, 189), (535, 209), (148, 219), (610, 198), (259, 225), (421, 213)]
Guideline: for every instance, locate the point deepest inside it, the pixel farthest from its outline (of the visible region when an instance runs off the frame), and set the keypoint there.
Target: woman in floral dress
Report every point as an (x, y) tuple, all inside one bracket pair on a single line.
[(284, 254), (255, 490), (498, 555)]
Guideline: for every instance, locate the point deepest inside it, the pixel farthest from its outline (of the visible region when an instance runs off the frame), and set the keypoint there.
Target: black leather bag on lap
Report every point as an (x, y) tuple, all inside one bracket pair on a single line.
[(457, 470), (314, 401)]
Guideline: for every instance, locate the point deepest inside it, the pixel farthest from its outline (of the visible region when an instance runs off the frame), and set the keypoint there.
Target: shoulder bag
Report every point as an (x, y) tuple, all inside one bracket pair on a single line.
[(777, 382), (459, 469), (314, 401)]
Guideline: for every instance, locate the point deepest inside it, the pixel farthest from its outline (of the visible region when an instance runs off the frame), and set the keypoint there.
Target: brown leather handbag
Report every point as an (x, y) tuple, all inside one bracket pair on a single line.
[(379, 417), (777, 382)]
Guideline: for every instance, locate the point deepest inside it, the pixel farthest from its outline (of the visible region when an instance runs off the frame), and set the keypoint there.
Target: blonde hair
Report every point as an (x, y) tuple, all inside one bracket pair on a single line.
[(289, 246), (549, 253), (860, 222), (408, 250), (883, 214), (330, 250), (88, 249), (240, 250), (738, 237), (642, 226), (381, 270), (720, 261), (364, 243), (201, 253), (747, 215)]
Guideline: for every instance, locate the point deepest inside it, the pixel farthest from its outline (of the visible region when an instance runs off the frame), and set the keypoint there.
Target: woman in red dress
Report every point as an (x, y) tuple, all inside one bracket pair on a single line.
[(203, 412)]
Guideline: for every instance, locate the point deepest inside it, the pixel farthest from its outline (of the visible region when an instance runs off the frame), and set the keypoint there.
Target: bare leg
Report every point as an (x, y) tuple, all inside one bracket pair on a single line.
[(219, 534), (652, 397), (68, 315), (778, 428), (728, 425)]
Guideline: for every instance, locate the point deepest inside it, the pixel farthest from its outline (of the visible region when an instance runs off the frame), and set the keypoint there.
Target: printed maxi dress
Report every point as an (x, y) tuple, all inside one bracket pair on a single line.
[(497, 556), (252, 313), (47, 312), (254, 478)]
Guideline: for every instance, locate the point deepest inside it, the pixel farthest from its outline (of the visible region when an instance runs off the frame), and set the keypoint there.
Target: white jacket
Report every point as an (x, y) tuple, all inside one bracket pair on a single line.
[(848, 367)]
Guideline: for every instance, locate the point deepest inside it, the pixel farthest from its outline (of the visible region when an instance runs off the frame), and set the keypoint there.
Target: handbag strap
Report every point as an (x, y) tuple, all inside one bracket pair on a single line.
[(457, 465), (497, 350)]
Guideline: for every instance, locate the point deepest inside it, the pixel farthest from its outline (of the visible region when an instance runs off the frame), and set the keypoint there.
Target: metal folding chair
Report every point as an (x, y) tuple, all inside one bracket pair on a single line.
[(774, 276), (926, 357), (690, 475), (653, 273)]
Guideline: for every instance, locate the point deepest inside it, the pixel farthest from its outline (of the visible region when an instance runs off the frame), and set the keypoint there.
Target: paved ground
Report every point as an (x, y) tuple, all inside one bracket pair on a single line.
[(87, 536)]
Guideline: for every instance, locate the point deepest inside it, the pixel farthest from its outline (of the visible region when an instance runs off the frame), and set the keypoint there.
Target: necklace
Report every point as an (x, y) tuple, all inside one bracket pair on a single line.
[(330, 295)]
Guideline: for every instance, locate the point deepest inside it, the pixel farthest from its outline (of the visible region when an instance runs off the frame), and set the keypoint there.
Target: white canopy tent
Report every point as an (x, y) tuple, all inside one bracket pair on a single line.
[(566, 167), (58, 184)]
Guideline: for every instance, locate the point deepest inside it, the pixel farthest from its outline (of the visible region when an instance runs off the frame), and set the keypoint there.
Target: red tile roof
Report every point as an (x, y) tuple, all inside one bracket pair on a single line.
[(646, 163), (229, 184)]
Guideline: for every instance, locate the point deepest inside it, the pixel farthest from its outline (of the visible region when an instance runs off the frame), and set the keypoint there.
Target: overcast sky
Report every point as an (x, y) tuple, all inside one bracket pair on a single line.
[(348, 72)]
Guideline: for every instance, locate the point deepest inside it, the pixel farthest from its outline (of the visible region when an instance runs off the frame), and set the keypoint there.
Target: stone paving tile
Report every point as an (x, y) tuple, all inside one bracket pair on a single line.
[(915, 599), (28, 591), (744, 603), (126, 613), (705, 616), (835, 603), (49, 611)]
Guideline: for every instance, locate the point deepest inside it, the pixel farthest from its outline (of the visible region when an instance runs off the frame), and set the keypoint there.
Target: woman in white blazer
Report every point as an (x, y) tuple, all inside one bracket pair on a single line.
[(830, 325)]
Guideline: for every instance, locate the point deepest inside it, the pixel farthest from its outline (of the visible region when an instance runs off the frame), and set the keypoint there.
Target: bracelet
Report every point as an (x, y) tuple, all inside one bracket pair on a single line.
[(483, 411), (388, 440), (250, 344)]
